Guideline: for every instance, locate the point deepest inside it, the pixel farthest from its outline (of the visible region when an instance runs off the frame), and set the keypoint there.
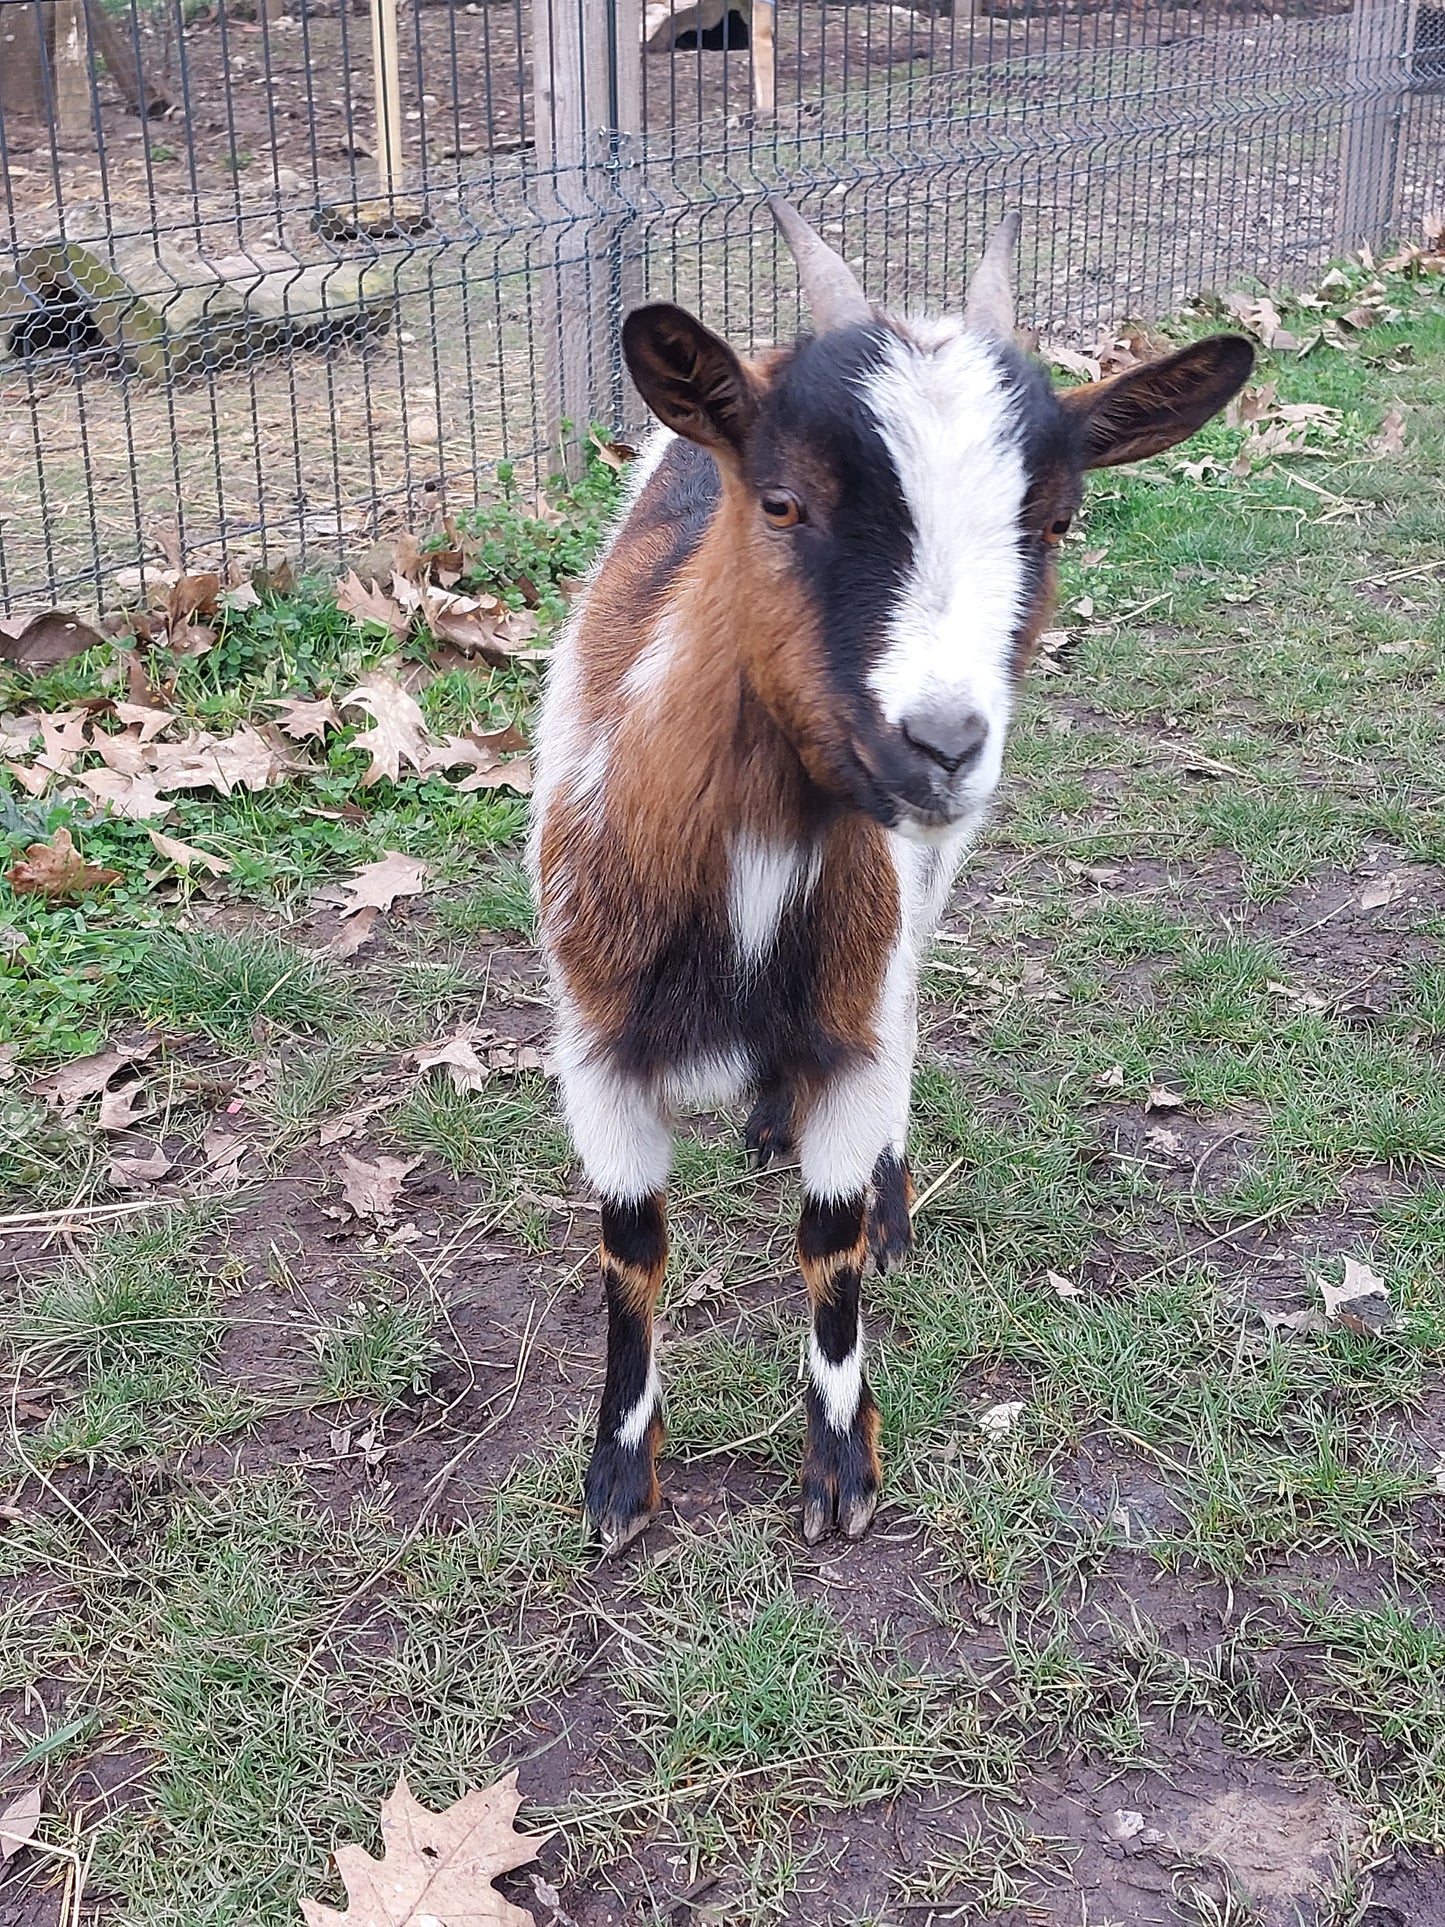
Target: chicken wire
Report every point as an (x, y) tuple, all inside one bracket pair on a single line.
[(325, 367)]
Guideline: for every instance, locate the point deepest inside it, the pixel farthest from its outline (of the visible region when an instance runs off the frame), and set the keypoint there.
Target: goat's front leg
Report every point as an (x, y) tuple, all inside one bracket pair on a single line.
[(621, 1486), (841, 1469)]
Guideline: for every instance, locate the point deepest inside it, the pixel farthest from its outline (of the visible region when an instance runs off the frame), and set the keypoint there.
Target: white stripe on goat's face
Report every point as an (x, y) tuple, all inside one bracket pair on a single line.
[(948, 413)]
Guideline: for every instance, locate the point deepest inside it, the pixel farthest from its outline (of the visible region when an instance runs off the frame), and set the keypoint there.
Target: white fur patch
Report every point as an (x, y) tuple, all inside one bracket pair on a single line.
[(620, 1129), (839, 1386), (763, 880), (633, 1429), (708, 1083), (948, 421), (647, 673)]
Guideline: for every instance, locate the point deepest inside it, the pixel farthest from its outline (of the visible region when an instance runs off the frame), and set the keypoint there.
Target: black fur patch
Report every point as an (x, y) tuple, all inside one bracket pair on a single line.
[(635, 1232)]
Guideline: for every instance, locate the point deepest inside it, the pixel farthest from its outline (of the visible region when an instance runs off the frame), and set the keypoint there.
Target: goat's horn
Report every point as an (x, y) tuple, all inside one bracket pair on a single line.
[(834, 297), (990, 306)]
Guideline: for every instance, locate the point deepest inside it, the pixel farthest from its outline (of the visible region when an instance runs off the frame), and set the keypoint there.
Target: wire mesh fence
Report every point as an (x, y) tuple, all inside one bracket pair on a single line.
[(286, 282)]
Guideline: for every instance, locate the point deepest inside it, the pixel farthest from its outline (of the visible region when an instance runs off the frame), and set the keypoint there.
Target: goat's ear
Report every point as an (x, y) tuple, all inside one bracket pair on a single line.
[(689, 377), (1154, 406)]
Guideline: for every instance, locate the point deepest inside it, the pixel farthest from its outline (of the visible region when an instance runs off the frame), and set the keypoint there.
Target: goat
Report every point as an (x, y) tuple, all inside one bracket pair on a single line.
[(772, 729)]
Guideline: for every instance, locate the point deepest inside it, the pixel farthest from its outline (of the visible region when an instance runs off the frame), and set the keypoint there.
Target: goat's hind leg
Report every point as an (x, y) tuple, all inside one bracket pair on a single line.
[(768, 1133)]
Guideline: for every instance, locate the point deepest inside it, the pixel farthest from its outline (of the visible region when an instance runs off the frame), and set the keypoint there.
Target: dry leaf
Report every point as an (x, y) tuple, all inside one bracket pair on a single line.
[(515, 774), (20, 1819), (378, 885), (370, 604), (1161, 1098), (1361, 1300), (58, 871), (185, 854), (138, 1174), (1384, 890), (356, 932), (124, 1106), (436, 1869), (999, 1420), (1065, 1287), (246, 759), (134, 797), (335, 1129), (63, 739), (459, 1055), (34, 782), (145, 718), (300, 719), (1391, 438), (1261, 317), (68, 1087), (372, 1190), (399, 733), (40, 641)]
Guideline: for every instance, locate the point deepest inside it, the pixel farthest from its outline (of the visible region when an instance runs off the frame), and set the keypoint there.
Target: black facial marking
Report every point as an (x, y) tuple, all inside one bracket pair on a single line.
[(856, 546)]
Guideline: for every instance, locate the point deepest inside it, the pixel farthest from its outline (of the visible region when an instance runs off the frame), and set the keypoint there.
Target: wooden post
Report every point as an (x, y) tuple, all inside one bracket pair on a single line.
[(765, 57), (72, 72), (386, 78), (1379, 83), (588, 91)]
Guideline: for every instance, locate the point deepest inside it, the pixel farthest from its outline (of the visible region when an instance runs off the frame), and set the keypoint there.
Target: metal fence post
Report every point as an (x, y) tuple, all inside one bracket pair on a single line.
[(587, 67), (1378, 80)]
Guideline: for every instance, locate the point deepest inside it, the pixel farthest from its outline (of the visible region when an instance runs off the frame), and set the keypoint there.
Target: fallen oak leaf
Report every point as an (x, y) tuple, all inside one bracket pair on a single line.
[(34, 781), (1361, 1300), (246, 759), (378, 885), (458, 1055), (515, 774), (56, 870), (134, 797), (365, 603), (399, 732), (299, 719), (1391, 438), (373, 1189), (146, 718), (20, 1819), (67, 1088), (40, 641), (138, 1174), (436, 1869), (63, 739), (355, 933), (124, 1105), (183, 855)]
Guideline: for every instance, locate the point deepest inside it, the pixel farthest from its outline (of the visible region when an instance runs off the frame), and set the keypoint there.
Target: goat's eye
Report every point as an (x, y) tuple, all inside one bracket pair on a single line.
[(780, 509), (1056, 531)]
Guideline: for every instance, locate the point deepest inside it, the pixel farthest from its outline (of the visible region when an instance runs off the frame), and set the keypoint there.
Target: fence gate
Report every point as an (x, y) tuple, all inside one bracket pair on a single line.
[(282, 281)]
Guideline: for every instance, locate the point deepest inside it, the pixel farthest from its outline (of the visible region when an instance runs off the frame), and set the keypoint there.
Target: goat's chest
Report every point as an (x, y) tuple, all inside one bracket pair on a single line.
[(776, 971)]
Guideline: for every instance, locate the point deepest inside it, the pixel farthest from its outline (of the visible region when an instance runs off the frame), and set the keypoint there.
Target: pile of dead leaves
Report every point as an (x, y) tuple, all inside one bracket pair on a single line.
[(407, 590), (136, 769)]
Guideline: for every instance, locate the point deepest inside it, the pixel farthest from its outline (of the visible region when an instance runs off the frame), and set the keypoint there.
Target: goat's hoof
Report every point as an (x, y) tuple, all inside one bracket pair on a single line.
[(615, 1532), (890, 1212), (621, 1493), (845, 1506)]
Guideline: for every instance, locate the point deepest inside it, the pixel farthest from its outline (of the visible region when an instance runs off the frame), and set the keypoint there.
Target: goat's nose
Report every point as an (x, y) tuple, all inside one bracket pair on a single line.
[(952, 738)]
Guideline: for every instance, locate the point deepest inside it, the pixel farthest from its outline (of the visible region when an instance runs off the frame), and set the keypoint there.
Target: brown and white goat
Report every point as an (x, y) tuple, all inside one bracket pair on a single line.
[(770, 734)]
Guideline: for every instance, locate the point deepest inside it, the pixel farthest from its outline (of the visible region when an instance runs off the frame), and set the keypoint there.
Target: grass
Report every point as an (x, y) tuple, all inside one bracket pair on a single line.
[(1202, 1556)]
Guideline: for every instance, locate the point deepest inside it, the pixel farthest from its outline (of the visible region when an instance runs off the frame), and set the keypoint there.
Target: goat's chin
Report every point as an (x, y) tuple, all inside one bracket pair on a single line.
[(939, 832)]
